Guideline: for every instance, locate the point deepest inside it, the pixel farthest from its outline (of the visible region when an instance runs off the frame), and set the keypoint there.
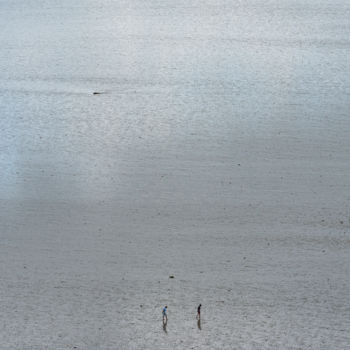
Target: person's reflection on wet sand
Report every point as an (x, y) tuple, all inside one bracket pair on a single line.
[(164, 327), (199, 325)]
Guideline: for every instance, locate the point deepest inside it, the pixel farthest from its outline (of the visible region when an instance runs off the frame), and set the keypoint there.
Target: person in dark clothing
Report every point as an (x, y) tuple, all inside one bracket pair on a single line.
[(199, 311)]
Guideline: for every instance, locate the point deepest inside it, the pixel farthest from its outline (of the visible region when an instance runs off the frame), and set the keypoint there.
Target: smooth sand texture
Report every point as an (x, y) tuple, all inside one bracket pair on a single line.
[(217, 152)]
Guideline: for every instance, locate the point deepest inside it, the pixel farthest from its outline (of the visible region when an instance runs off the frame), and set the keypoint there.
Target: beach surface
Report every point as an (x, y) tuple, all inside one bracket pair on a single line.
[(205, 140)]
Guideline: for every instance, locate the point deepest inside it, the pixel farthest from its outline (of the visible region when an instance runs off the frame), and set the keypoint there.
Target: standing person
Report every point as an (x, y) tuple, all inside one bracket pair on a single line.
[(199, 311), (165, 316)]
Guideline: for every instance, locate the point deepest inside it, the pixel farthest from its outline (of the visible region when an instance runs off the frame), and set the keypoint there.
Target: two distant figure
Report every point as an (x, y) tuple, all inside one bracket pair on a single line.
[(165, 316)]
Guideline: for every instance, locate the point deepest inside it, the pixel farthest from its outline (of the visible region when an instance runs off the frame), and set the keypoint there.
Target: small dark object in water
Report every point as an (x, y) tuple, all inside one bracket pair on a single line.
[(97, 93), (171, 276)]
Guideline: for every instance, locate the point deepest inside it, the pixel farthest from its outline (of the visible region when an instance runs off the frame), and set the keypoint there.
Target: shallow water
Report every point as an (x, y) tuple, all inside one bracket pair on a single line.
[(217, 151)]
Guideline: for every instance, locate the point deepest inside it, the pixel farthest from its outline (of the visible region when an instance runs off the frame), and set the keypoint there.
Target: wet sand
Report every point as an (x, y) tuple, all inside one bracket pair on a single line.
[(217, 152)]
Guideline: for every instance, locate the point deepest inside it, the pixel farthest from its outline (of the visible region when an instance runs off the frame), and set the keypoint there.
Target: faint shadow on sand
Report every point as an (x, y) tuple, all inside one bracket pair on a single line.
[(199, 325)]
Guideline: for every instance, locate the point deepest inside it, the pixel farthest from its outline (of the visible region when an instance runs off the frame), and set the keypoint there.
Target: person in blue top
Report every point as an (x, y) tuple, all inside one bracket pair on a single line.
[(165, 316)]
